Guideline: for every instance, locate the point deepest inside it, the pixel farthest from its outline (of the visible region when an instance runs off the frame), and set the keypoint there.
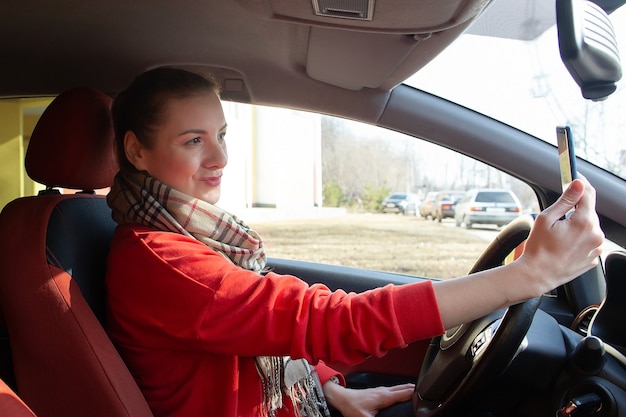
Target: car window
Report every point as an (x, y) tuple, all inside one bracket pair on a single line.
[(18, 117), (320, 198), (359, 168), (323, 201), (494, 197), (451, 197)]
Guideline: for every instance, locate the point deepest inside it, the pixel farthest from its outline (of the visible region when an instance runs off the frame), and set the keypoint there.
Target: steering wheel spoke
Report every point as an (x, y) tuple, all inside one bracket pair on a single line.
[(472, 355)]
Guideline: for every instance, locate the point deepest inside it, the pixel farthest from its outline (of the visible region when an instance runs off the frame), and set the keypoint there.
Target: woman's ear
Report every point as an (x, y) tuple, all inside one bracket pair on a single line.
[(133, 149)]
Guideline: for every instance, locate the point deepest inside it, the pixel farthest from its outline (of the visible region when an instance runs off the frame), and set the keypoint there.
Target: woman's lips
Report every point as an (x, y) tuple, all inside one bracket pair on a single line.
[(212, 181)]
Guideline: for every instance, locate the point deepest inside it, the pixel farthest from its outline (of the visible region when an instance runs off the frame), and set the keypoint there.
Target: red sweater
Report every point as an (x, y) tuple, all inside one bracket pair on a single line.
[(189, 323)]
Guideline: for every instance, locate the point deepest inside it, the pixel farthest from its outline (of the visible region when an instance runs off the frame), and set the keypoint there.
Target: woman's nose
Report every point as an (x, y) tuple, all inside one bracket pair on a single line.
[(216, 154)]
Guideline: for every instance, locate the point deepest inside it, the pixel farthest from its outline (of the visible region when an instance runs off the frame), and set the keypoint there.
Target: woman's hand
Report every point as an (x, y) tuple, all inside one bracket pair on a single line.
[(365, 402), (558, 249)]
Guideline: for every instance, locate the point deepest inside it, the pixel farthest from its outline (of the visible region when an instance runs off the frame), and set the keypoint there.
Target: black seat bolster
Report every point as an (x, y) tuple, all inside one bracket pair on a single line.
[(79, 233)]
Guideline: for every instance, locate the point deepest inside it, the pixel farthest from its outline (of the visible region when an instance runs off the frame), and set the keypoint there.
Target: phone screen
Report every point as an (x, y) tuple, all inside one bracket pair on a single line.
[(567, 157)]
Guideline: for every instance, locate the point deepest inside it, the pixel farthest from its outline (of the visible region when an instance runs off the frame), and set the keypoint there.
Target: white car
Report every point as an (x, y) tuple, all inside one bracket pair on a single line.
[(487, 206)]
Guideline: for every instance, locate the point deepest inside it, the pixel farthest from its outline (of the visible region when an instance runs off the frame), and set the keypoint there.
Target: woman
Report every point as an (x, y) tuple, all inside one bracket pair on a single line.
[(207, 331)]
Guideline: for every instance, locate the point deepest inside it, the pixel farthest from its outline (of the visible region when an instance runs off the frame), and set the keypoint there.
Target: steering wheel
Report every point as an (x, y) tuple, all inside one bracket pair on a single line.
[(460, 363)]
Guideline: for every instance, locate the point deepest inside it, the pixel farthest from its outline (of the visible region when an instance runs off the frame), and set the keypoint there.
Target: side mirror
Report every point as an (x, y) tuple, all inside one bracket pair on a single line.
[(588, 47)]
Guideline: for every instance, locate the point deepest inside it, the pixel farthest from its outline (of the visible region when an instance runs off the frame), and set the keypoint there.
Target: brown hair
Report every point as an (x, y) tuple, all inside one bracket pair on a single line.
[(140, 107)]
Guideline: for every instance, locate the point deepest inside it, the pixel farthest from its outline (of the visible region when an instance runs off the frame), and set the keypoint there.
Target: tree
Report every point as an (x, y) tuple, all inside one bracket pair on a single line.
[(354, 157)]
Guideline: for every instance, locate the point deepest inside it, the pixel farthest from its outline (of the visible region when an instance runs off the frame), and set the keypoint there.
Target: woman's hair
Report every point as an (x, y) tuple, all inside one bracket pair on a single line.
[(140, 108)]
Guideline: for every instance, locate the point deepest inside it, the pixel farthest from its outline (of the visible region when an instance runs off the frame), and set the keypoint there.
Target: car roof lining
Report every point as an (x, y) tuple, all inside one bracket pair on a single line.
[(105, 44)]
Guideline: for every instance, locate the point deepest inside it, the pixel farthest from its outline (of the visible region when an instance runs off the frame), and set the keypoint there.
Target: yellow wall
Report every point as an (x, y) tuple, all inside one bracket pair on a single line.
[(17, 121), (11, 152)]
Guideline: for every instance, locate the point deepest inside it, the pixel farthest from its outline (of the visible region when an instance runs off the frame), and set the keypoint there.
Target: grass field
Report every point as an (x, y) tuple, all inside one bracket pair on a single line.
[(389, 242)]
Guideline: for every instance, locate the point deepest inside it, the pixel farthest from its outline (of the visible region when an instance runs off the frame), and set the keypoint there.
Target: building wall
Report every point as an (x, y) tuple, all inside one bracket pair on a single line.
[(287, 172), (274, 159)]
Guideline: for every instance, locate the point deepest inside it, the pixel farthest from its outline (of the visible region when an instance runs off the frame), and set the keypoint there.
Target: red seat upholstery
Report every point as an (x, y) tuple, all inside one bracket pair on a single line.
[(52, 259), (11, 405)]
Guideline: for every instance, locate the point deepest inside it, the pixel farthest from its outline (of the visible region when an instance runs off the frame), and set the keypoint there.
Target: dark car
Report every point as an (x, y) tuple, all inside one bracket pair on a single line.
[(323, 99), (443, 207), (399, 202)]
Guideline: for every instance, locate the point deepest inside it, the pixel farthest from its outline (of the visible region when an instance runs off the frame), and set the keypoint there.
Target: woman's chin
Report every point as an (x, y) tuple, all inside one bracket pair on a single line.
[(211, 198)]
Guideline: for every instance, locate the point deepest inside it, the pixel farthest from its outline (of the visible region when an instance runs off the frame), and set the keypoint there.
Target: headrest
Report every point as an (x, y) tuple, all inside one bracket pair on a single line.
[(72, 145)]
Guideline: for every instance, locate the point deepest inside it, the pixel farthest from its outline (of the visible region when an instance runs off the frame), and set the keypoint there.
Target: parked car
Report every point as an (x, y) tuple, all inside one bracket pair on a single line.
[(445, 201), (487, 206), (427, 205), (399, 202), (412, 205), (441, 93)]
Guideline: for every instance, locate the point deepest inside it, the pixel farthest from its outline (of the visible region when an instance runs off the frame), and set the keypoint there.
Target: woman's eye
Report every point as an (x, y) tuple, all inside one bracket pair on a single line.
[(222, 136), (194, 141)]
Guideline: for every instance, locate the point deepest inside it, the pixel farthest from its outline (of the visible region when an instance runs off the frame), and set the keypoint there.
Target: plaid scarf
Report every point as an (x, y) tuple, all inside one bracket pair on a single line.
[(136, 197), (139, 198)]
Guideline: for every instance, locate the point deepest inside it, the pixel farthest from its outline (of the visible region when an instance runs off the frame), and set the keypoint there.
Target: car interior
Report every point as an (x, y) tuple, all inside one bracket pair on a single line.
[(63, 267), (561, 353)]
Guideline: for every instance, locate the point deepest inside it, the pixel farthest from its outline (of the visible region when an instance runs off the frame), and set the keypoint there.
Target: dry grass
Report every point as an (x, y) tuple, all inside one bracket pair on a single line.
[(389, 242)]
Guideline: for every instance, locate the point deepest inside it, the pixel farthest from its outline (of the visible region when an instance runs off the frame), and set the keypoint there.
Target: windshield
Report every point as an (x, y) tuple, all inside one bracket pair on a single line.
[(526, 85)]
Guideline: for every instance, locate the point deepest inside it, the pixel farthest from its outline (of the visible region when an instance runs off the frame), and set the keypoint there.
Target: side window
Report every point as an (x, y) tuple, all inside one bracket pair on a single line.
[(18, 117), (328, 190)]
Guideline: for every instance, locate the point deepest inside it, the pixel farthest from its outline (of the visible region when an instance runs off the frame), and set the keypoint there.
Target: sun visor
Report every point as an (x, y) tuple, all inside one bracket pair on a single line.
[(344, 58), (377, 44), (372, 60)]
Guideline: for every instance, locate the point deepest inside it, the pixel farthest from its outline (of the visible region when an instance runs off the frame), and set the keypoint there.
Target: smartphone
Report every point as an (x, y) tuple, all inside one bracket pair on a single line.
[(567, 156)]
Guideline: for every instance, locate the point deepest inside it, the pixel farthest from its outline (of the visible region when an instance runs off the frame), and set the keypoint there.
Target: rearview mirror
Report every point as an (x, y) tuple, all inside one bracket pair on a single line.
[(588, 47)]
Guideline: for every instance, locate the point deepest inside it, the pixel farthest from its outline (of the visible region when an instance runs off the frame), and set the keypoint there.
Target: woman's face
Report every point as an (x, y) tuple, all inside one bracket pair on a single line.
[(188, 149)]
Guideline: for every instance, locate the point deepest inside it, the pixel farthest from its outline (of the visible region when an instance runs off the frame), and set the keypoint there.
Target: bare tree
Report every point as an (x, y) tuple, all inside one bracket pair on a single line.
[(354, 158)]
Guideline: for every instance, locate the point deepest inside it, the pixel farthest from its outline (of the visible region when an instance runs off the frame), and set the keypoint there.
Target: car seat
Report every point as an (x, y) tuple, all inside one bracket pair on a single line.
[(52, 259), (11, 405)]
